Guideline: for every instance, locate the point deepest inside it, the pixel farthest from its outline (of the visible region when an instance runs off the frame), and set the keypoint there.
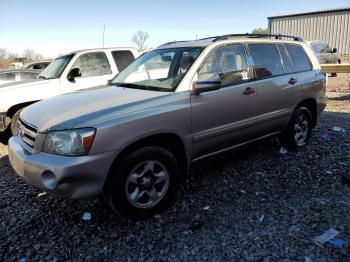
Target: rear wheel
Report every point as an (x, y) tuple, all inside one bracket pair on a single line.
[(299, 129), (14, 122), (144, 182)]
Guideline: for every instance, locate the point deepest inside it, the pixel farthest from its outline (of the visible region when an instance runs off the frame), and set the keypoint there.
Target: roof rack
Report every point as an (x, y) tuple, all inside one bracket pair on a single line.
[(279, 36), (225, 37), (172, 42)]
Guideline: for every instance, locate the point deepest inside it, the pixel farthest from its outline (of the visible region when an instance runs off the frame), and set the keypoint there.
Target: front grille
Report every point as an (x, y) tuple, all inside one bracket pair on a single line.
[(27, 133)]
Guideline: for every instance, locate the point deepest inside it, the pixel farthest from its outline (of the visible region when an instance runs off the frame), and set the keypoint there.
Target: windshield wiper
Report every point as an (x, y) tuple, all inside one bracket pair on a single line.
[(143, 87), (130, 85)]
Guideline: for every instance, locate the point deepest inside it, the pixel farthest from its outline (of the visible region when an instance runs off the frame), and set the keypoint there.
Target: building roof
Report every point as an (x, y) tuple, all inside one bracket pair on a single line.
[(336, 10)]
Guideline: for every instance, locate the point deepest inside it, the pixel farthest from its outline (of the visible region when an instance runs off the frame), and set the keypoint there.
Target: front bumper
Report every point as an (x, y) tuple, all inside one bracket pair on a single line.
[(71, 177)]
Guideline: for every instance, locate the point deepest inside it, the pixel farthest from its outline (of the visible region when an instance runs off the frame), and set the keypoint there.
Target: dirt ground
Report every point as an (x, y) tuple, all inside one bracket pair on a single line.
[(254, 204), (340, 83)]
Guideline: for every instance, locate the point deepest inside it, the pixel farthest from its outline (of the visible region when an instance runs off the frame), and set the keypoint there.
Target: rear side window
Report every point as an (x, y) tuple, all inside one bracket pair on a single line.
[(267, 60), (122, 59), (287, 64), (299, 58)]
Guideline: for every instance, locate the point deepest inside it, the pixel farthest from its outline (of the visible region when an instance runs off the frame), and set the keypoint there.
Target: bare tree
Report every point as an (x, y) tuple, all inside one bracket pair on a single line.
[(38, 57), (29, 54), (12, 56), (32, 56), (140, 38), (3, 53)]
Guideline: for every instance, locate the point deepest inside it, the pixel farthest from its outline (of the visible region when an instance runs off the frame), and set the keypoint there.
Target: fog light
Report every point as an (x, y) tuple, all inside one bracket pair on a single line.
[(49, 179)]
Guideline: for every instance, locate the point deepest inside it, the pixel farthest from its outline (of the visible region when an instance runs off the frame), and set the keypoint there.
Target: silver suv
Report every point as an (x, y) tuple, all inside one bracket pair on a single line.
[(174, 105)]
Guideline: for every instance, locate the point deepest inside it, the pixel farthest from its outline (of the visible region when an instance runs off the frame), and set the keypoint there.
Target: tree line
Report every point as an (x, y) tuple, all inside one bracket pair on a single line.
[(140, 39), (29, 54)]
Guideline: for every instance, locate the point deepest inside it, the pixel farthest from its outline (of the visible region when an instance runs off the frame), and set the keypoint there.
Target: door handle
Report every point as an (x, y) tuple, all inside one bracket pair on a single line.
[(249, 91), (292, 81)]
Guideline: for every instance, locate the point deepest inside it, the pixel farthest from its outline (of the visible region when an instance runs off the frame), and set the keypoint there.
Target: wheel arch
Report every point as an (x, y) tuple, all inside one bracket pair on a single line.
[(169, 141), (13, 109), (309, 103)]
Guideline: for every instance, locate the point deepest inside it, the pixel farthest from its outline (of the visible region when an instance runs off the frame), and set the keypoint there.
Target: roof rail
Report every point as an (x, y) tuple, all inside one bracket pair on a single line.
[(172, 42), (225, 37), (279, 36)]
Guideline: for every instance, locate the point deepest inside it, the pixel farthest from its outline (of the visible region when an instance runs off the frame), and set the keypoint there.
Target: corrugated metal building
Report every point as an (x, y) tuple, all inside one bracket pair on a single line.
[(330, 26)]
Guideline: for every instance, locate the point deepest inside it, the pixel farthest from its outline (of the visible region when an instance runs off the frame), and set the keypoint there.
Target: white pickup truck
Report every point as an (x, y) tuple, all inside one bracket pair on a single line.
[(68, 73)]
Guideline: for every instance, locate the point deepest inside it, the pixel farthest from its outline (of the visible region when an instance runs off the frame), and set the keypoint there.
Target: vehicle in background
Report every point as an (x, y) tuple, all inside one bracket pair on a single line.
[(68, 73), (324, 53), (174, 105), (38, 65), (15, 75), (15, 65)]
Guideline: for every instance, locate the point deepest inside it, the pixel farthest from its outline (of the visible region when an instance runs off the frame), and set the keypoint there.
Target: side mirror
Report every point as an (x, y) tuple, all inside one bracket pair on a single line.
[(109, 82), (73, 73), (205, 86), (334, 50)]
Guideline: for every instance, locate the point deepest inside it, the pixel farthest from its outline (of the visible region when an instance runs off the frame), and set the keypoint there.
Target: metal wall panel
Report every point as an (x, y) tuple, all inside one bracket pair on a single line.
[(332, 28)]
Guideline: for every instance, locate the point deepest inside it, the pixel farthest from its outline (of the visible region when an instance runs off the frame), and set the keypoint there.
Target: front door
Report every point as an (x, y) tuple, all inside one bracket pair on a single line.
[(227, 116), (95, 70)]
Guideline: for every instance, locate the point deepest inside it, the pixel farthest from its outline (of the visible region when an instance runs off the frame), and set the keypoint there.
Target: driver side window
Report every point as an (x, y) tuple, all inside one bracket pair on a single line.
[(93, 64), (227, 64)]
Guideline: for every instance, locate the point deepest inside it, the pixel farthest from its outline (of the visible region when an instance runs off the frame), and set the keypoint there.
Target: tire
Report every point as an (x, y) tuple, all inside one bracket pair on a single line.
[(298, 131), (14, 122), (143, 183)]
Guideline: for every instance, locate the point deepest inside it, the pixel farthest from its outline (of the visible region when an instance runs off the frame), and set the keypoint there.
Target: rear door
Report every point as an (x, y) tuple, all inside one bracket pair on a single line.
[(275, 84), (224, 117), (303, 74)]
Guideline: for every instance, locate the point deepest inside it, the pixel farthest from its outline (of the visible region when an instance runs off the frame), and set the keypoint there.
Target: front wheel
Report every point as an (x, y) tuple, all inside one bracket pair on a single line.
[(299, 129), (144, 182)]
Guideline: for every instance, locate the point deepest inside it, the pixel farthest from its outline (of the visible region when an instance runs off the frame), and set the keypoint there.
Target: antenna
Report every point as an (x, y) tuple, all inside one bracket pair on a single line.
[(103, 36)]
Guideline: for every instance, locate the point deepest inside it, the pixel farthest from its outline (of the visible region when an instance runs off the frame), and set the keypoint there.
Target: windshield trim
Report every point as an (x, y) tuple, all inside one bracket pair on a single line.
[(64, 68), (156, 88)]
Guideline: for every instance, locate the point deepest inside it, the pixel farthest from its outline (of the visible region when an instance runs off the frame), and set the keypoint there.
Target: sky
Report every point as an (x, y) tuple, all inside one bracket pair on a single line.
[(57, 27)]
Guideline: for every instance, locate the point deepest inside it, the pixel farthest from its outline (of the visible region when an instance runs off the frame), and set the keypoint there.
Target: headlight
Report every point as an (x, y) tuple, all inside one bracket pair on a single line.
[(75, 142)]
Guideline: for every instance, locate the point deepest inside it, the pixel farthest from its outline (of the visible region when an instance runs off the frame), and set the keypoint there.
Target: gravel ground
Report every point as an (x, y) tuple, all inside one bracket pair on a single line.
[(254, 204)]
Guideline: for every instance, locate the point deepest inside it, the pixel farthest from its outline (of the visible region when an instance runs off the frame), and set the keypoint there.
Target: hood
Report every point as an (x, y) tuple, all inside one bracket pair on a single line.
[(77, 109), (22, 84)]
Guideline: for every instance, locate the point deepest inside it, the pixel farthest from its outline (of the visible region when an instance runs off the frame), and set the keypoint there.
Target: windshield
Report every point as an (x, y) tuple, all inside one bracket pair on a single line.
[(159, 70), (319, 47), (56, 67)]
